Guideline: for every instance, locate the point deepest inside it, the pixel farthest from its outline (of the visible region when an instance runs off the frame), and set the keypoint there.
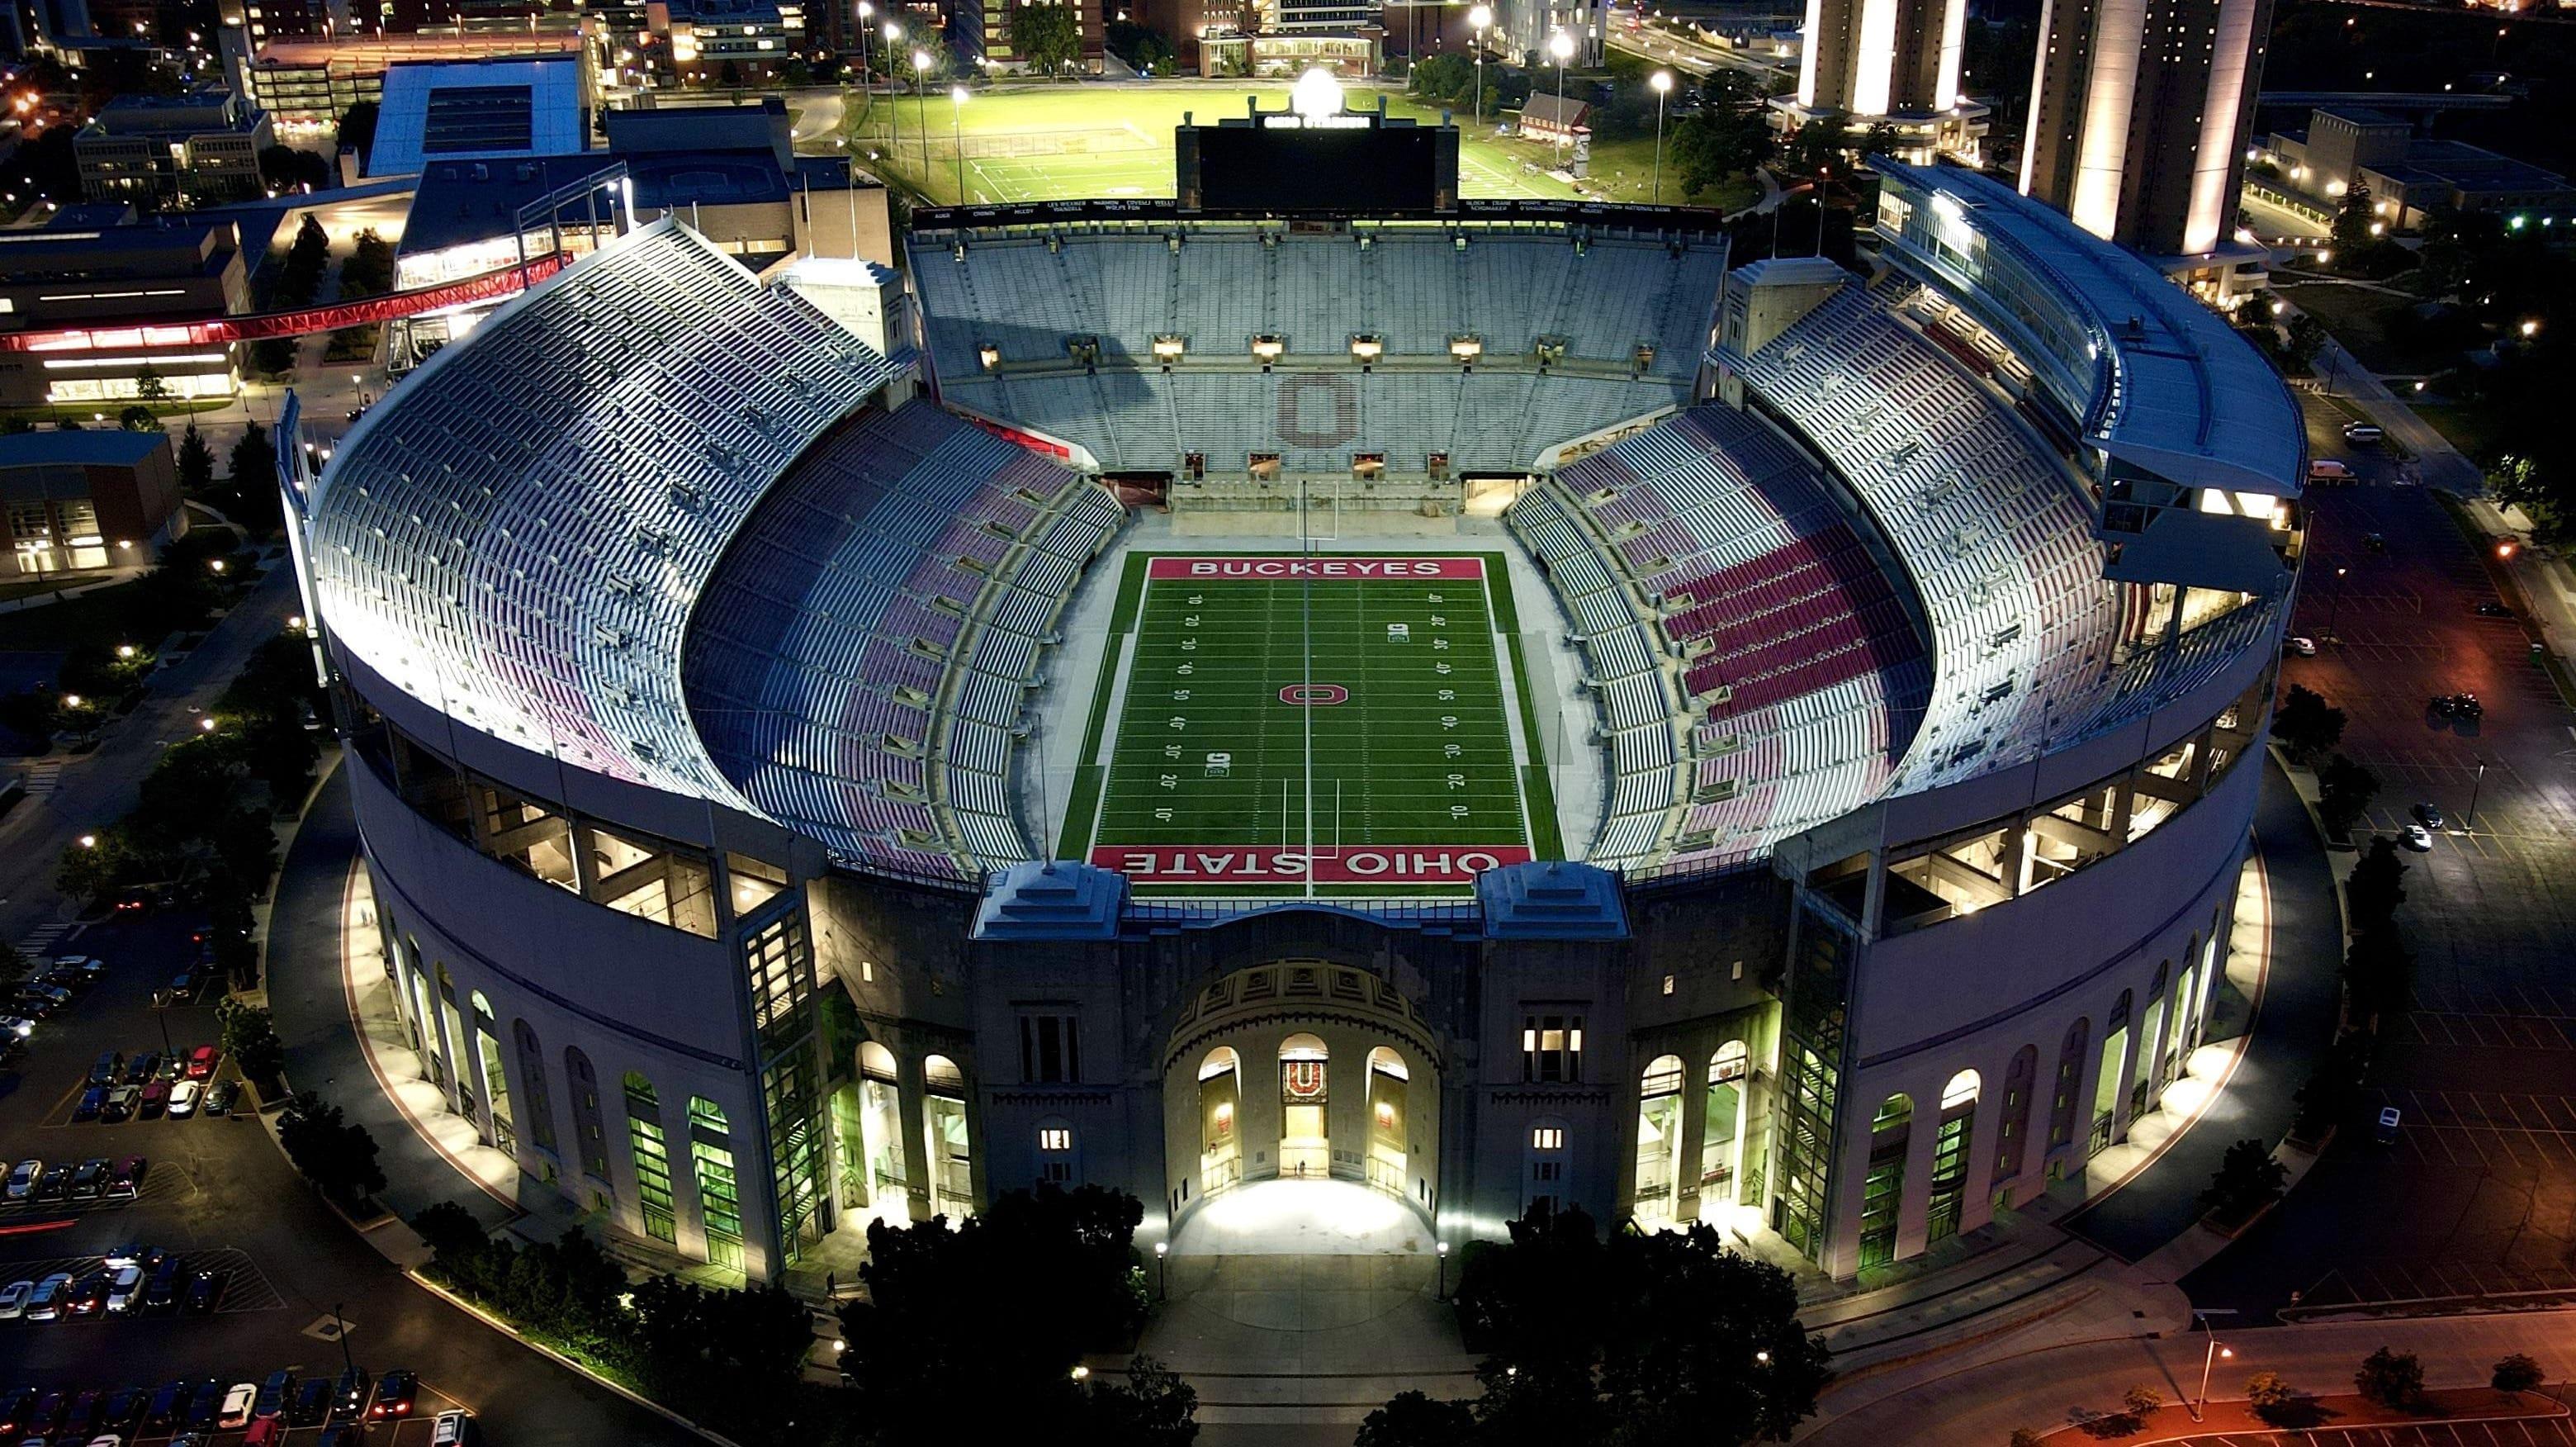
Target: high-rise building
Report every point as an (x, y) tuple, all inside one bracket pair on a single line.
[(1868, 63), (2140, 110)]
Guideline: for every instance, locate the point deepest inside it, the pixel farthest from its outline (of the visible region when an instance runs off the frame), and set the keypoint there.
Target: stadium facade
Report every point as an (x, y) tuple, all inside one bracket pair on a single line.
[(699, 636)]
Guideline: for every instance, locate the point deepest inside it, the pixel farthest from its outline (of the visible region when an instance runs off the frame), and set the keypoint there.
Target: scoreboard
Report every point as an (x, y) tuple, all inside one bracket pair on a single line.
[(1286, 162)]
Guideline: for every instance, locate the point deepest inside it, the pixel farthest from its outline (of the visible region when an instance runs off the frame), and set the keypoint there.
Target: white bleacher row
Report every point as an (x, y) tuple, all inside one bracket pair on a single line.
[(516, 535), (1315, 421), (1221, 287), (1999, 545)]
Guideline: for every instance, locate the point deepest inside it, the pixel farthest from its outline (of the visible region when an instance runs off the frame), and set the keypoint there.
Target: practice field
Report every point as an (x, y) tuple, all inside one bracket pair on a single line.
[(1339, 724), (1045, 143)]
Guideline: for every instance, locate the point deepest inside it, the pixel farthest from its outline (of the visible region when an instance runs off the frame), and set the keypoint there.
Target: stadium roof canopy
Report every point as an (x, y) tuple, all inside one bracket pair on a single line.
[(2174, 390), (460, 110)]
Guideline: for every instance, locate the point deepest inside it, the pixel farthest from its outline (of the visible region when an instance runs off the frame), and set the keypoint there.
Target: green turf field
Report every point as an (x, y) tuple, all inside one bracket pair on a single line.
[(1401, 777), (1058, 142)]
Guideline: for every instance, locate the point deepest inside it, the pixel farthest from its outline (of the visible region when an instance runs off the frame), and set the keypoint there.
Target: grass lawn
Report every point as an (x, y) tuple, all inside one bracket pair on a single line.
[(1396, 774), (1042, 142), (2361, 319), (2470, 426), (104, 617)]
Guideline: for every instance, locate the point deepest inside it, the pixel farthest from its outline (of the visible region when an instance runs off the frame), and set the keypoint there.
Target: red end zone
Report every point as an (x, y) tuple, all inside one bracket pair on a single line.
[(1272, 864), (1220, 569)]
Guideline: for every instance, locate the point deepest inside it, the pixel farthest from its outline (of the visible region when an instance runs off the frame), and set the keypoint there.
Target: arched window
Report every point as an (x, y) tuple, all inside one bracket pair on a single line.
[(876, 1060), (1220, 1124), (1882, 1191), (651, 1150), (532, 1080), (587, 1120), (1721, 1151), (496, 1081), (719, 1194), (943, 1125), (2015, 1128), (1305, 1144), (2107, 1078), (2063, 1110), (1950, 1154), (1544, 1173), (2147, 1074), (1390, 1153), (1659, 1142), (882, 1175)]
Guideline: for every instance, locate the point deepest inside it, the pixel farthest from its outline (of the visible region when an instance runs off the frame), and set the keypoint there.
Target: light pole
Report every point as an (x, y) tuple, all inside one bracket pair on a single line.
[(957, 136), (1162, 1271), (340, 1329), (867, 79), (2209, 1358), (2335, 602), (160, 1017), (1561, 45), (1444, 1271), (1662, 81), (894, 100), (2470, 824), (1480, 17), (920, 106)]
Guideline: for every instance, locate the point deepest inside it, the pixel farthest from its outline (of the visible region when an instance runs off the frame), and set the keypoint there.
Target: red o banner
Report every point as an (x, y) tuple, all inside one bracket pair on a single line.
[(1315, 695)]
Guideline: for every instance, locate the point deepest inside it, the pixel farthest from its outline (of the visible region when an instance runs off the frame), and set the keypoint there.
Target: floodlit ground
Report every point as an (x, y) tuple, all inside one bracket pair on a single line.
[(1297, 1218), (1260, 724), (1027, 143)]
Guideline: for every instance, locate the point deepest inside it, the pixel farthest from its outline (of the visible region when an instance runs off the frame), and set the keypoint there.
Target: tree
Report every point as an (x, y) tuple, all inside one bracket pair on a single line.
[(1152, 1408), (250, 493), (357, 129), (2375, 887), (2516, 1373), (2332, 1086), (1045, 35), (2246, 1181), (2352, 223), (1412, 1419), (369, 271), (2344, 789), (2306, 725), (284, 168), (1727, 134), (2378, 973), (1146, 49), (138, 418), (2139, 1400), (2307, 338), (196, 462), (336, 1155), (2392, 1379), (150, 386), (2024, 1437), (249, 1036), (2268, 1395)]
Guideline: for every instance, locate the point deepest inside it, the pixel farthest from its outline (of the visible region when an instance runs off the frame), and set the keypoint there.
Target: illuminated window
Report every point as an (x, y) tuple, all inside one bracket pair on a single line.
[(1552, 1048), (1055, 1138), (1547, 1138)]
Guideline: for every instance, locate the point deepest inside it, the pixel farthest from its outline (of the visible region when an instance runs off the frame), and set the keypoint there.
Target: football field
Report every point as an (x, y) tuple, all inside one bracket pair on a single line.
[(1331, 725)]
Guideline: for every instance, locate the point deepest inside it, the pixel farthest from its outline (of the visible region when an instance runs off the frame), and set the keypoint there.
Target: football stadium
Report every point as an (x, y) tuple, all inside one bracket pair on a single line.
[(1312, 687)]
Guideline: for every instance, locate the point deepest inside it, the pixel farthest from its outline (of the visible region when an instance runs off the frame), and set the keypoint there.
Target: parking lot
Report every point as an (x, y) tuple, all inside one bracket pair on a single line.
[(2477, 1194), (2553, 1432)]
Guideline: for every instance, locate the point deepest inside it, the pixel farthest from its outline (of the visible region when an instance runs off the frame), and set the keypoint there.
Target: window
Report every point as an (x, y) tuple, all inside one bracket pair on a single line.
[(1547, 1138), (1049, 1054), (585, 1113), (719, 1194), (1552, 1048), (1055, 1138), (532, 1079), (652, 1153)]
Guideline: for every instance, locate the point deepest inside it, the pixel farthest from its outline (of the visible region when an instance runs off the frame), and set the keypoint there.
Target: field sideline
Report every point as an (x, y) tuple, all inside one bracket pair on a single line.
[(1058, 142)]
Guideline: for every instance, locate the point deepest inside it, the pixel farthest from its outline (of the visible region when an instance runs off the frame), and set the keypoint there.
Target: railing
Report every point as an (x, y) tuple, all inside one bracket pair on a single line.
[(222, 331)]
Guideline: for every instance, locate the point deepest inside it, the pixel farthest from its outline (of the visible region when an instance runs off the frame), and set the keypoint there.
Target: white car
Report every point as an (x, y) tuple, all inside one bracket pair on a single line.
[(109, 1439), (88, 965), (237, 1405), (22, 1180), (2419, 838), (47, 1303), (183, 1100), (2303, 647), (124, 1289), (13, 1299)]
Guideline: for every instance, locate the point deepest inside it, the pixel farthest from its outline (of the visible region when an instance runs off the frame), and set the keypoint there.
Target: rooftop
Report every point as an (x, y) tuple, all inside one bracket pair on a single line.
[(377, 52), (2470, 168), (100, 448), (482, 108), (460, 201)]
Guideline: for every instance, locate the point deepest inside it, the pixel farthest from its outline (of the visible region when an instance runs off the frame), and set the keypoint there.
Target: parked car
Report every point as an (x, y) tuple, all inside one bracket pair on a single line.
[(88, 1296), (47, 1418), (344, 1434), (162, 1292), (53, 1183), (2428, 816), (16, 1027), (204, 1407), (90, 1181), (142, 1068), (205, 1293), (2419, 838), (124, 1290), (2389, 1120), (219, 1100), (47, 1303), (349, 1395), (89, 965), (454, 1429), (2494, 610), (156, 1098), (125, 1178), (120, 1104), (70, 982), (167, 1402), (2466, 706), (184, 1095), (92, 1101), (2303, 647), (265, 1432), (123, 1409), (109, 1065), (2327, 470), (22, 1180), (15, 1404), (78, 1422), (237, 1406), (13, 1301), (2365, 433), (395, 1394), (312, 1403), (203, 1060), (275, 1393)]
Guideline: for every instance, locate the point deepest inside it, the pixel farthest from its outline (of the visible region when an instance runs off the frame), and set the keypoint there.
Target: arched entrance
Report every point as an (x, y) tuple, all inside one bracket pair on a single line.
[(1339, 1151), (1659, 1137), (1721, 1151)]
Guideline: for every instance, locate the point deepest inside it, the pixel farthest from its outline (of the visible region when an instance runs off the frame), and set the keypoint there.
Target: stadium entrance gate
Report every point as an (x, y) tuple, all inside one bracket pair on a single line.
[(1302, 1071)]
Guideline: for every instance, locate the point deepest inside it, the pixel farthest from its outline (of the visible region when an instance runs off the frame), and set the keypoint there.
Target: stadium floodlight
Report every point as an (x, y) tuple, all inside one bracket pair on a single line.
[(1561, 45), (1269, 348), (1168, 348), (989, 355), (1662, 81), (1366, 348), (1466, 349), (1481, 17), (1316, 96)]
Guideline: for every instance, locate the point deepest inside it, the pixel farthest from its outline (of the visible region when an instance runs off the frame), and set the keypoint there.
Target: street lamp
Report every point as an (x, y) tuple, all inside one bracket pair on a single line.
[(160, 1004), (2470, 824), (1662, 81), (1561, 45), (920, 72), (1162, 1270), (867, 79), (894, 106), (2209, 1357), (1444, 1271), (2335, 602), (957, 135), (1480, 17), (340, 1329)]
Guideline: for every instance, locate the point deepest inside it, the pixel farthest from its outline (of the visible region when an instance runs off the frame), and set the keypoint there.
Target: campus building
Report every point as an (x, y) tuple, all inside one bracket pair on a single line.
[(1896, 63), (313, 80), (97, 316), (2140, 111), (77, 501), (1899, 649), (2411, 178), (198, 149)]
